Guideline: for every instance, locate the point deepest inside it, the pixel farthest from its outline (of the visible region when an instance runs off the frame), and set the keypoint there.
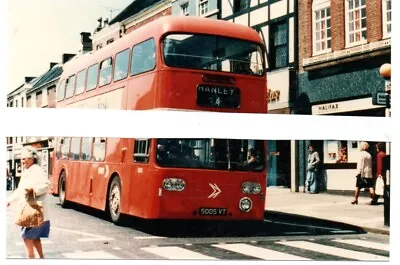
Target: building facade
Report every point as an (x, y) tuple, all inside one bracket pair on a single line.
[(342, 46), (135, 15), (201, 8)]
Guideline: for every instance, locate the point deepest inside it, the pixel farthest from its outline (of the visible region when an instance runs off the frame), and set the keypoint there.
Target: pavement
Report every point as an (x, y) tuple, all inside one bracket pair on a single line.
[(329, 207)]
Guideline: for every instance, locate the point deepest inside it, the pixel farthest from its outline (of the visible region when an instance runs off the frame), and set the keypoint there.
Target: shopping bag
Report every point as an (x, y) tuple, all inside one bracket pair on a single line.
[(31, 214), (379, 186)]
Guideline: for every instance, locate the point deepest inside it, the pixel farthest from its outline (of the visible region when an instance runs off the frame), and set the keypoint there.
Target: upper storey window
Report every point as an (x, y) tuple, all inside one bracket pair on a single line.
[(356, 22), (321, 26)]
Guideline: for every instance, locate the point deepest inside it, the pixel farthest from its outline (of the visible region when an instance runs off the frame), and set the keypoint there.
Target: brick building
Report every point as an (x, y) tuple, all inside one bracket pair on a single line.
[(342, 45)]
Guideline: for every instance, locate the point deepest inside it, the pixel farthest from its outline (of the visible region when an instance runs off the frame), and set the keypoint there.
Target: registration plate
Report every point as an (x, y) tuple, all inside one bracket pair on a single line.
[(213, 211)]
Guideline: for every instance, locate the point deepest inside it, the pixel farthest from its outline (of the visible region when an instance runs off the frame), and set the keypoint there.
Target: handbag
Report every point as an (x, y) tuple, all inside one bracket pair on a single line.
[(31, 214), (379, 186)]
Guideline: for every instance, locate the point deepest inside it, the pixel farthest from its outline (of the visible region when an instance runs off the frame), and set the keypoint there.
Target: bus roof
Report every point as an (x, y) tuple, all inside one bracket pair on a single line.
[(158, 28)]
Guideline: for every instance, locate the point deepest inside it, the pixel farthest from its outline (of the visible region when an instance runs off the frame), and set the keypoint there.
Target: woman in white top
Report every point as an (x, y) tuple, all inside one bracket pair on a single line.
[(364, 173), (33, 181)]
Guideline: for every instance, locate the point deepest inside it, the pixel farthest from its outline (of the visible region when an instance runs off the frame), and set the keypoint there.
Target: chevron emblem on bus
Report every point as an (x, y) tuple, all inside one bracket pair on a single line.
[(215, 192)]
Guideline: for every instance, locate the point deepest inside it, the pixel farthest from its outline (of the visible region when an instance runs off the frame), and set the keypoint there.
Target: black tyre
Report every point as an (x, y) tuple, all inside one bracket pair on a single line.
[(62, 190), (114, 201)]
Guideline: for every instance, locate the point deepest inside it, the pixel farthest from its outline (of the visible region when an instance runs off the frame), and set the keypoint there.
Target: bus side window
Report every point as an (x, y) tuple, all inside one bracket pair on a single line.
[(143, 57), (65, 148), (60, 142), (75, 148), (86, 148), (61, 90), (121, 65), (93, 74), (141, 151), (99, 149), (70, 87), (105, 72), (80, 82)]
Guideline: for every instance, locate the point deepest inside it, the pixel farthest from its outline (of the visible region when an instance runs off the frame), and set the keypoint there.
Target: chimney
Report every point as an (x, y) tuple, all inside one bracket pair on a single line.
[(99, 27), (86, 41), (66, 57), (29, 78), (52, 64)]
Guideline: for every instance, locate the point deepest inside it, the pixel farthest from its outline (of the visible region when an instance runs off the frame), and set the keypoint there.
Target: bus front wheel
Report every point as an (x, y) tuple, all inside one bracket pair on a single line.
[(62, 190), (114, 200)]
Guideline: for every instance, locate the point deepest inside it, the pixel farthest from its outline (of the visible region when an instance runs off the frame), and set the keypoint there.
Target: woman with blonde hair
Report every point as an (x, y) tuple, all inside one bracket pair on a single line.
[(364, 173), (34, 181)]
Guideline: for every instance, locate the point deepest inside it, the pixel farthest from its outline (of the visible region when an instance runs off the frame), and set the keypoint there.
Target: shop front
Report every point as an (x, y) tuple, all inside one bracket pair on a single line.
[(278, 151), (339, 157)]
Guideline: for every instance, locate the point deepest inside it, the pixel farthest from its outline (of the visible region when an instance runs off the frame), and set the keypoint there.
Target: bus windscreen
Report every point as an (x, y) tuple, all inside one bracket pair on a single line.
[(217, 154), (210, 52)]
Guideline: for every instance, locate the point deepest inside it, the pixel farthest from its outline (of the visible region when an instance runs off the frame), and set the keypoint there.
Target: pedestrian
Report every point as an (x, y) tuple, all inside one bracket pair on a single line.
[(364, 174), (380, 171), (312, 170), (34, 181)]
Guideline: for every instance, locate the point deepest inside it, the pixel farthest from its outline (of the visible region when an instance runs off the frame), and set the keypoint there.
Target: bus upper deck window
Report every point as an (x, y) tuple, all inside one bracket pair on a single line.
[(105, 72)]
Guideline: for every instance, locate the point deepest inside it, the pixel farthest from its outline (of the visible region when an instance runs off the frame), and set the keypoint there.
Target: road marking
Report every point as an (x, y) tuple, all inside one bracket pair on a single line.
[(261, 253), (176, 253), (89, 255), (350, 254), (92, 237), (148, 237), (95, 239), (363, 243), (15, 257), (310, 226), (117, 248), (44, 242)]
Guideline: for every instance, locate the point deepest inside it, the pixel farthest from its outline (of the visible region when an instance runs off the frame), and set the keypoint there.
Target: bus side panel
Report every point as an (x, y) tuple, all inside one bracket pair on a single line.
[(73, 180), (126, 177), (141, 92), (102, 171)]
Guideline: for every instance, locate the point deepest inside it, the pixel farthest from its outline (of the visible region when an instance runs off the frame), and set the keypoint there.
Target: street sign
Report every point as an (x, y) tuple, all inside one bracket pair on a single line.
[(379, 98)]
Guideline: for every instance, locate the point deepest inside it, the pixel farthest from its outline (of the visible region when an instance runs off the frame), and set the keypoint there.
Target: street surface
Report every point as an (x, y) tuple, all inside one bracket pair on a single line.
[(81, 233)]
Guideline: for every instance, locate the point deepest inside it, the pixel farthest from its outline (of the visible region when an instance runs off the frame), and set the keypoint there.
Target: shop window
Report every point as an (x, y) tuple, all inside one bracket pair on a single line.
[(339, 152), (121, 65), (105, 72), (93, 74), (99, 149), (387, 17), (86, 151), (356, 22), (75, 148), (141, 151), (321, 26)]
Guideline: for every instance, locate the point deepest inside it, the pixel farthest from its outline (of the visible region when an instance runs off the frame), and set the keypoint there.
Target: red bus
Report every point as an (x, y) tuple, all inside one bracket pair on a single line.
[(173, 63)]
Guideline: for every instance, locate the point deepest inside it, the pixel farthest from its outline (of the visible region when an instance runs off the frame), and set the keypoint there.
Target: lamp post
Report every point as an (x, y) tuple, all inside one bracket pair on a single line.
[(385, 73)]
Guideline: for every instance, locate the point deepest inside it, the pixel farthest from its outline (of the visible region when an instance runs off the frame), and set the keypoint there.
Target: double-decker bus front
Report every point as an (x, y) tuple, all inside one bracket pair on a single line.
[(218, 179)]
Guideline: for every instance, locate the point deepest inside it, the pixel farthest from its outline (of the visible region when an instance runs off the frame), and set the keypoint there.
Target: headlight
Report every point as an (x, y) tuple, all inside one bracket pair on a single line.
[(173, 184), (251, 188), (245, 204)]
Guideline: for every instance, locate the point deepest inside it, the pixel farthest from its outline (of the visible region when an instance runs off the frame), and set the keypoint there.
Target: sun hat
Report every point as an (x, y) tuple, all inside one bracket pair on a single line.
[(28, 152)]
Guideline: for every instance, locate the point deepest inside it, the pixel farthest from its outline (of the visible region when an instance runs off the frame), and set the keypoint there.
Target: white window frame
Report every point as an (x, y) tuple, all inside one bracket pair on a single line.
[(317, 6), (185, 9), (201, 3), (385, 21), (347, 19)]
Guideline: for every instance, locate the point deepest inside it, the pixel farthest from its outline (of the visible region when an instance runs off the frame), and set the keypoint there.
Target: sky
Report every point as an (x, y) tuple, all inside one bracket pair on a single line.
[(40, 31)]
